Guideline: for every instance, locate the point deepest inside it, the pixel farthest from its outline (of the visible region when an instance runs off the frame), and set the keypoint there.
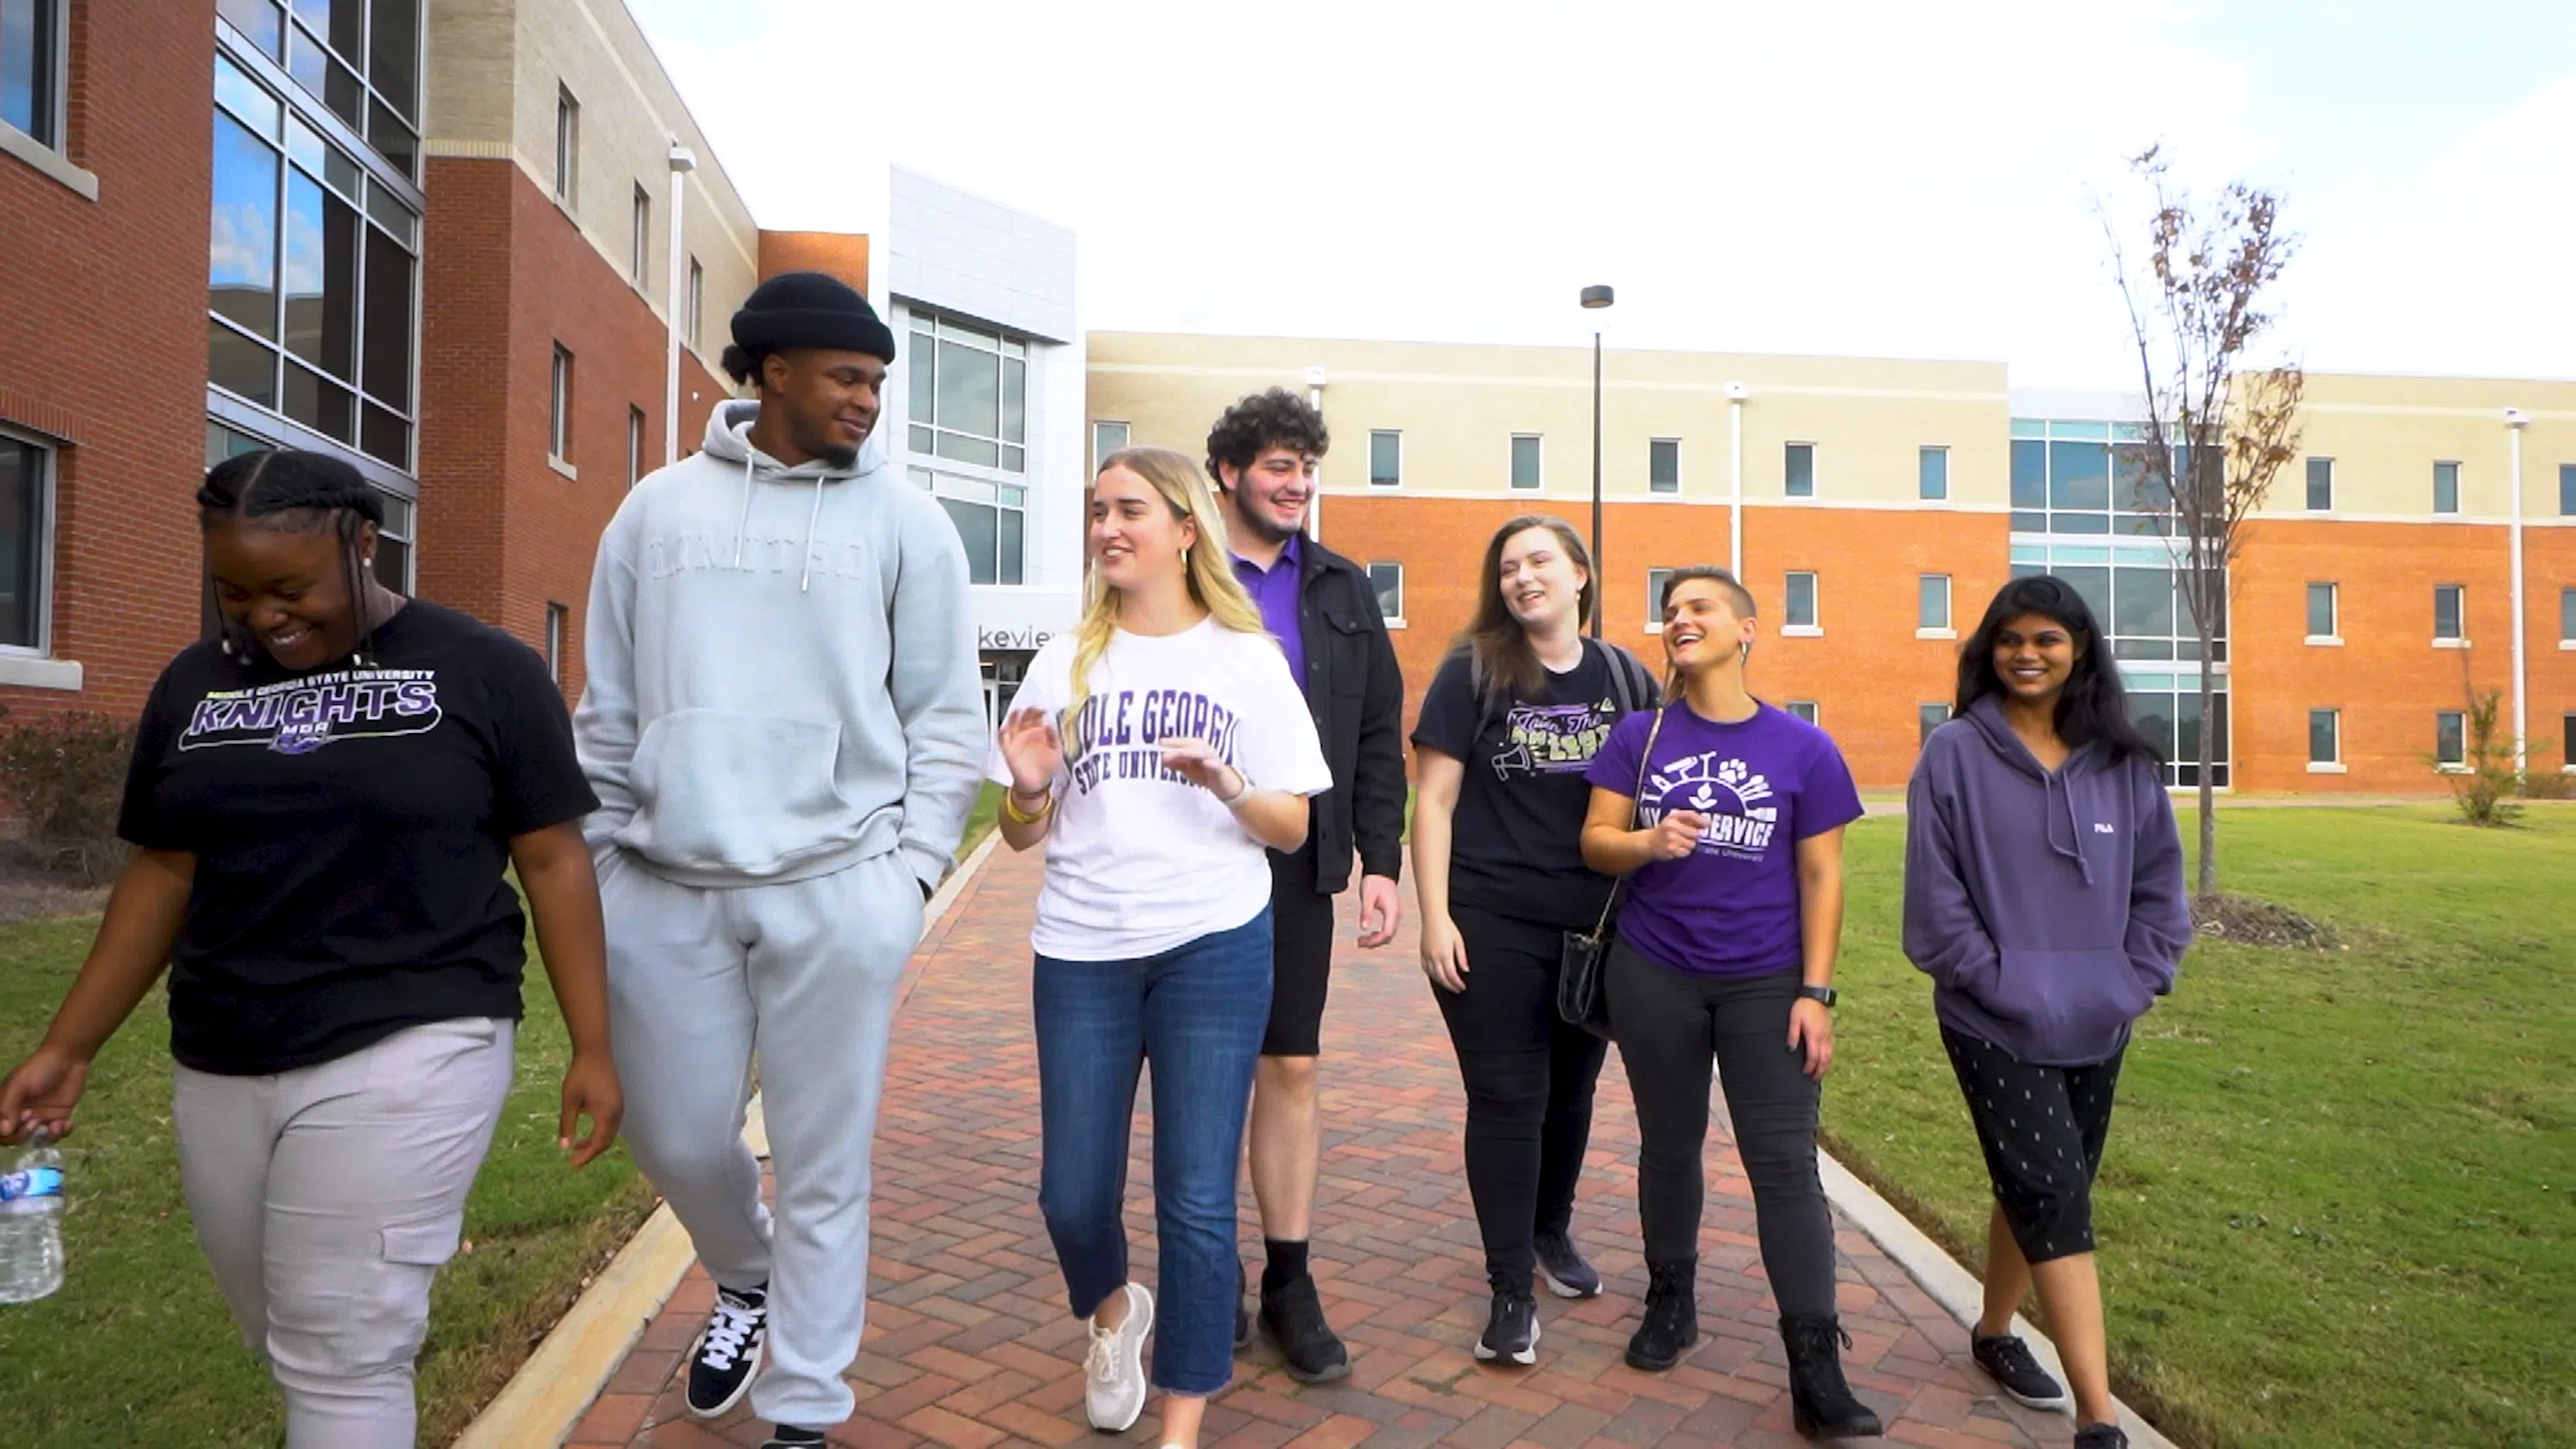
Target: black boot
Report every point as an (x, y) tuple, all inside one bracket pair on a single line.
[(1823, 1406), (1672, 1315)]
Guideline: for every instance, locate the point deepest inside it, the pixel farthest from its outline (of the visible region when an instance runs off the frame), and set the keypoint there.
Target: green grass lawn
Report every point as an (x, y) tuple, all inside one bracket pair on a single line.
[(2336, 1208)]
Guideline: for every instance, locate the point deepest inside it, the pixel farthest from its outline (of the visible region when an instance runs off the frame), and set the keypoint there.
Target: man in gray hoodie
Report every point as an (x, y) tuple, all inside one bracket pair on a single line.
[(783, 723)]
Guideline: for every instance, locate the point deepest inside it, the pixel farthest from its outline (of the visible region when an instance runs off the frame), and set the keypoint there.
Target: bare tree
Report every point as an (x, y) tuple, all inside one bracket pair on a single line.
[(2218, 427)]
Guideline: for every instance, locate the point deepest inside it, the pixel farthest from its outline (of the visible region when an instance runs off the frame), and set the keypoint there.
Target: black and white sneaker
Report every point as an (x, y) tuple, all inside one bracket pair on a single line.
[(727, 1353), (1511, 1334), (789, 1436), (2101, 1436), (1563, 1269), (2009, 1362)]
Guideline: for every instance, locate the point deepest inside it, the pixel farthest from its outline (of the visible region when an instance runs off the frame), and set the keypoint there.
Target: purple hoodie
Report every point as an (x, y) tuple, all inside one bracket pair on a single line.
[(2048, 909)]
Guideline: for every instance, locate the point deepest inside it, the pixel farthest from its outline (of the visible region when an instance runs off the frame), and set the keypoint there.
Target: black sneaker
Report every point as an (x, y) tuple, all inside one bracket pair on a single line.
[(1564, 1270), (788, 1436), (1672, 1316), (1511, 1334), (727, 1353), (1242, 1310), (1293, 1316), (2008, 1361), (2101, 1436)]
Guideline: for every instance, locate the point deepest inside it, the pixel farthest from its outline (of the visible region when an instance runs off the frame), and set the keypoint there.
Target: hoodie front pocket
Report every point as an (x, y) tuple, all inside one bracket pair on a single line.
[(2069, 1000), (743, 792)]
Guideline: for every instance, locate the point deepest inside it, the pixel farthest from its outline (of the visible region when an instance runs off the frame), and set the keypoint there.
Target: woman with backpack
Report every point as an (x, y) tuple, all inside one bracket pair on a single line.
[(2044, 897), (1507, 729)]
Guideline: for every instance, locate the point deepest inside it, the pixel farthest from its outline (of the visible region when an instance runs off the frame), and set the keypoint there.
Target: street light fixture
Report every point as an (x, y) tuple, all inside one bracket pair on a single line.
[(1596, 299)]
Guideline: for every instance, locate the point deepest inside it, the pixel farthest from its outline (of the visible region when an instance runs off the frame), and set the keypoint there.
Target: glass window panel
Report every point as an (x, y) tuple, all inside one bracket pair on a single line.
[(2079, 476), (2447, 599), (974, 490), (241, 269), (2141, 525), (22, 533), (1801, 610), (1386, 459), (2324, 748), (307, 61), (919, 439), (2321, 611), (343, 94), (1656, 579), (1932, 602), (2142, 602), (1525, 462), (2567, 490), (2029, 475), (1015, 391), (223, 442), (2093, 583), (238, 365), (2446, 488), (393, 55), (257, 20), (1927, 718), (320, 404), (1013, 522), (390, 285), (393, 139), (1804, 709), (1013, 497), (306, 147), (384, 435), (1932, 473), (2153, 712), (922, 392), (338, 21), (2156, 649), (1664, 465), (970, 391), (1014, 459), (2187, 727), (980, 529), (386, 210), (2567, 739), (2567, 616), (2029, 522), (246, 98), (2451, 737), (1106, 438), (1388, 580), (2320, 484), (2096, 432), (320, 277), (2029, 428), (1799, 465), (2023, 569), (2085, 523), (2135, 488), (970, 450)]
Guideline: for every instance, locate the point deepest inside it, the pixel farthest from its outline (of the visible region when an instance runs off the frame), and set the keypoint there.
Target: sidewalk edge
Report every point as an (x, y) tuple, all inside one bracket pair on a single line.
[(543, 1402), (1950, 1285)]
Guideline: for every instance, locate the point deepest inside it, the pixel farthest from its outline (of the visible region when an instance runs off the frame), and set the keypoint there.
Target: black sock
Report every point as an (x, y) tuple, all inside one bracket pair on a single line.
[(790, 1434), (1287, 1263)]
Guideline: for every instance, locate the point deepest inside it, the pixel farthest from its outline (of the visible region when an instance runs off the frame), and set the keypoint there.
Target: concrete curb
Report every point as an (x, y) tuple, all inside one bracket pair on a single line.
[(1949, 1284), (544, 1401)]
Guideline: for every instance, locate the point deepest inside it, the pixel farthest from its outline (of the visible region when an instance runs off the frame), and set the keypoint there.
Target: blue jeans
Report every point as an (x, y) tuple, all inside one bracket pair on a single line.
[(1196, 1012)]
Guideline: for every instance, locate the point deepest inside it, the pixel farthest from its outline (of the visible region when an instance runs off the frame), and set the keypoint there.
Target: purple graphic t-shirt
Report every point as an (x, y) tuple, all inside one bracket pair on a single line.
[(1730, 907)]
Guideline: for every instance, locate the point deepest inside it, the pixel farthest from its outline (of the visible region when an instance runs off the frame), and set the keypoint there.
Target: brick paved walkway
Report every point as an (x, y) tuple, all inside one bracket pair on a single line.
[(969, 1342)]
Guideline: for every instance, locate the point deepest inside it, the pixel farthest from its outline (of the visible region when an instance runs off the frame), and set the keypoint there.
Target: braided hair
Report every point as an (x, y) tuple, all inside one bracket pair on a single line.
[(300, 492)]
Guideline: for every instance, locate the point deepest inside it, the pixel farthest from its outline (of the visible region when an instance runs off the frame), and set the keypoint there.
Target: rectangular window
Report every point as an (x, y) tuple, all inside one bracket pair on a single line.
[(1799, 471), (2448, 607), (2567, 490), (2451, 737), (1664, 465), (1932, 601), (1525, 460), (31, 56), (2446, 488), (393, 543), (991, 519), (2325, 737), (2320, 484), (640, 264), (2567, 616), (2567, 741), (1932, 474), (1106, 438), (1801, 610), (567, 145), (694, 307), (1927, 718), (634, 446), (559, 409), (1386, 458), (968, 394), (25, 526), (1656, 579), (1388, 580), (1804, 709), (2321, 612), (556, 617)]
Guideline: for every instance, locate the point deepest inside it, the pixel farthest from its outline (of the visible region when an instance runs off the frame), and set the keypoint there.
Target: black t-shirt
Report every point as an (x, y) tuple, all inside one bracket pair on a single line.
[(351, 828), (1515, 841)]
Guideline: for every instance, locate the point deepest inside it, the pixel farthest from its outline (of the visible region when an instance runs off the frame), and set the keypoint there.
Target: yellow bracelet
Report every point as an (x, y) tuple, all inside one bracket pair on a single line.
[(1011, 808)]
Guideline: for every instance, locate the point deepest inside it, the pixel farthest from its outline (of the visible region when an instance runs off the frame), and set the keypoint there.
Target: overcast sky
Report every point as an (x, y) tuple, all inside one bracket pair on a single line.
[(1858, 177)]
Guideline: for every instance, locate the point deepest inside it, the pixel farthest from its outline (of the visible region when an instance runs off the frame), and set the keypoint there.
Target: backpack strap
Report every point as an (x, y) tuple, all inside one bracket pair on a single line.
[(1629, 683)]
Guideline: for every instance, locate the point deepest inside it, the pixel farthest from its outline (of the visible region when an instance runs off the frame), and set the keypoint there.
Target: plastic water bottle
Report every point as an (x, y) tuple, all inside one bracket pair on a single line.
[(31, 1215)]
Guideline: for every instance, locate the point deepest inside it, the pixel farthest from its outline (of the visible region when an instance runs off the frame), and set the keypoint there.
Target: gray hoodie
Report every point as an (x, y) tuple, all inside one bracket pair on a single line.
[(2047, 908), (781, 669)]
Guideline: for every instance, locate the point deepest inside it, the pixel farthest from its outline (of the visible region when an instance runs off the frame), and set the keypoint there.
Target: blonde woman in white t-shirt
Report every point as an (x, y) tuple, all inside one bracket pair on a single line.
[(1157, 751)]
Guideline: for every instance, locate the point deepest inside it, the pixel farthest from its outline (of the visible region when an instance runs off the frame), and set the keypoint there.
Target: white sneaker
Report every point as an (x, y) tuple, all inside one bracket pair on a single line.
[(1113, 1389)]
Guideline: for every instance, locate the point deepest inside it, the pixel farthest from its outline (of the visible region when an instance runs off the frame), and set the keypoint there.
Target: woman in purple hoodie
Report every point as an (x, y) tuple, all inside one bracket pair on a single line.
[(2044, 897)]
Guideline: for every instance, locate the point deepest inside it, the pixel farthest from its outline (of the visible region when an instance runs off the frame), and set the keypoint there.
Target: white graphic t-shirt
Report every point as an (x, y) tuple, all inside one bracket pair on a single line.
[(1140, 860)]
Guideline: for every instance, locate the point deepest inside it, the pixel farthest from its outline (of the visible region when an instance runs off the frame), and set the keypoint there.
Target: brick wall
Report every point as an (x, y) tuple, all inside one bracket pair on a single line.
[(131, 397)]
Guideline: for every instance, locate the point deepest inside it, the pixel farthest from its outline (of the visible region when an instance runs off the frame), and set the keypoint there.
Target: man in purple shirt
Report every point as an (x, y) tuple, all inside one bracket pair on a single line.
[(1263, 455)]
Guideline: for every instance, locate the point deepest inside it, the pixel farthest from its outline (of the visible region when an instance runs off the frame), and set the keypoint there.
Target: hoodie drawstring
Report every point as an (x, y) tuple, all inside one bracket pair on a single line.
[(814, 516), (744, 526), (2055, 784)]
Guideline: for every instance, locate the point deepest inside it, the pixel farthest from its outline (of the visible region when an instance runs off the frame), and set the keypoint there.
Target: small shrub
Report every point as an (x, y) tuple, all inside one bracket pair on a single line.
[(66, 776), (2484, 782), (2543, 783)]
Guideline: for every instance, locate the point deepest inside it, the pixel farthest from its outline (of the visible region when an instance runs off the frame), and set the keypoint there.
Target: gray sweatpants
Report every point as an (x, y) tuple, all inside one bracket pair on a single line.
[(327, 1197), (805, 972)]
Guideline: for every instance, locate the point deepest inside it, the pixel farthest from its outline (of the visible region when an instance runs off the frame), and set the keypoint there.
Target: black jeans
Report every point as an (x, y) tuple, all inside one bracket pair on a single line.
[(1671, 1025), (1529, 1080)]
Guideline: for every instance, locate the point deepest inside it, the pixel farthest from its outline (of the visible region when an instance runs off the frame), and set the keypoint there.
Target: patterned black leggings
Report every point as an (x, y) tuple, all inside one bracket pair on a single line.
[(2042, 1129)]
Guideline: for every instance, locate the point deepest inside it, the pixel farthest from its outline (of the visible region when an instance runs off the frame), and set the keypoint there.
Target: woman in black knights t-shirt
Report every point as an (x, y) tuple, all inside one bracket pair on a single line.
[(322, 805), (1507, 729)]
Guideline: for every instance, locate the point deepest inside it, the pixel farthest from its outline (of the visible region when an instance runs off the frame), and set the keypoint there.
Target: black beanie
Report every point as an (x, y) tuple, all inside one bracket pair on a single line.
[(810, 309)]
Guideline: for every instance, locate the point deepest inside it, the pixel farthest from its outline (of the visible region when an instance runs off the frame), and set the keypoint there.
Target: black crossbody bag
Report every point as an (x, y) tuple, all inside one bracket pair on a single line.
[(1580, 998)]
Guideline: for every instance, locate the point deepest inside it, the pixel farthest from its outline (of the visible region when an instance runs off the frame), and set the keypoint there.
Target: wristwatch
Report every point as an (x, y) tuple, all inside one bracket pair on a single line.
[(1824, 994)]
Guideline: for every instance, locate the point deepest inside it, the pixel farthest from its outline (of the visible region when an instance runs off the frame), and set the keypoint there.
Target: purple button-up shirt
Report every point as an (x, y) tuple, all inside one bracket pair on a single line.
[(1274, 589)]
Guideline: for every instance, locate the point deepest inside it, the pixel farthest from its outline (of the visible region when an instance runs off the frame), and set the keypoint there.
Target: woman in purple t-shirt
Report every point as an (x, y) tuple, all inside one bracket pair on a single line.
[(1727, 815)]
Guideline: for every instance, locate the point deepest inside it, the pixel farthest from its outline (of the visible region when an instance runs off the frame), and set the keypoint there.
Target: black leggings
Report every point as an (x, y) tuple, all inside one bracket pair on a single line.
[(1671, 1026), (2042, 1129), (1529, 1080)]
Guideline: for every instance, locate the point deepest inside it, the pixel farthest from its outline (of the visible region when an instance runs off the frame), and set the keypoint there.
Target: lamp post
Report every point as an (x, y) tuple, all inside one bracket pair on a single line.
[(1596, 299)]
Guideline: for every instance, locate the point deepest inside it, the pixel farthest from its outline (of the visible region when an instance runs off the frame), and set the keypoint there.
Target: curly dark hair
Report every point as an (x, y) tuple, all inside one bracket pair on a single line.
[(1274, 419), (742, 364)]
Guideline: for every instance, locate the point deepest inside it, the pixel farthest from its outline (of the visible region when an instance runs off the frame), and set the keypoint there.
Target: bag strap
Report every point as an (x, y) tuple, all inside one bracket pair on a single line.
[(1645, 760)]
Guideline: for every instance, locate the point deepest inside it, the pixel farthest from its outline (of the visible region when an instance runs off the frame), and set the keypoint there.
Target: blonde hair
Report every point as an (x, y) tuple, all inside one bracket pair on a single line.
[(1207, 568)]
